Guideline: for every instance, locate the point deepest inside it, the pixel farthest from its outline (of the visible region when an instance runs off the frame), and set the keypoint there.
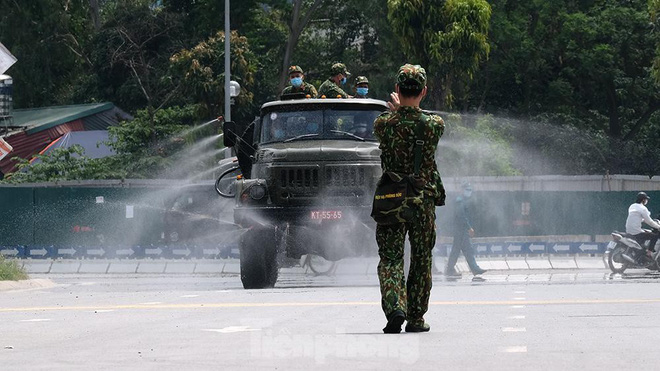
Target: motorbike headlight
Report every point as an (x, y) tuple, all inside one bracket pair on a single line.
[(257, 191)]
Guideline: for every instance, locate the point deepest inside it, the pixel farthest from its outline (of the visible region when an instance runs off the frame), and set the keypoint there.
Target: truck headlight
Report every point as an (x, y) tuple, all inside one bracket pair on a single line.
[(257, 191)]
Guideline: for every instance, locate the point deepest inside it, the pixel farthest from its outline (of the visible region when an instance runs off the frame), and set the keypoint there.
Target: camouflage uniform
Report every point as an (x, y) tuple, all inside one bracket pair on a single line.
[(307, 89), (396, 134), (329, 88), (360, 80)]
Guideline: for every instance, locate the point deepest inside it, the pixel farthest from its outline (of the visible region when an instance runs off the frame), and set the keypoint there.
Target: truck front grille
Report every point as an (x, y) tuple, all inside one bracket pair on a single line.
[(345, 176), (299, 179)]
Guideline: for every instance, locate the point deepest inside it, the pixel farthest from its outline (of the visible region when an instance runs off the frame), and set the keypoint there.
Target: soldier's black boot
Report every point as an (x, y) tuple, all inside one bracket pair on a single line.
[(394, 322), (424, 327)]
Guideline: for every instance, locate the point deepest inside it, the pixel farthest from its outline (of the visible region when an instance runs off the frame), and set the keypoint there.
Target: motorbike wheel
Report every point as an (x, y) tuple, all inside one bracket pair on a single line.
[(616, 262), (319, 265)]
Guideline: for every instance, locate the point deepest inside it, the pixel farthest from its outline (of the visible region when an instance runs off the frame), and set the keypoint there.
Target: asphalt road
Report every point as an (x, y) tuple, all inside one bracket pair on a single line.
[(519, 321)]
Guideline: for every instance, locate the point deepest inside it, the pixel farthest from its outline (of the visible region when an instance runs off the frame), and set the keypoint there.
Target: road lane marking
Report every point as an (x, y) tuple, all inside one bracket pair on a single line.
[(515, 349), (514, 329), (189, 296), (233, 329), (519, 292), (516, 317), (511, 303), (35, 320), (519, 298)]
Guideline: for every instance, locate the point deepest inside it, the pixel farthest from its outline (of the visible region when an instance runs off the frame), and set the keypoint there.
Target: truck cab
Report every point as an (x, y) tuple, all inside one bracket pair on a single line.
[(309, 169)]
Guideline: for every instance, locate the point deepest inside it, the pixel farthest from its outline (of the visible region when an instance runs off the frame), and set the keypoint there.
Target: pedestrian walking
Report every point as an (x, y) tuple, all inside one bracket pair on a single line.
[(463, 231)]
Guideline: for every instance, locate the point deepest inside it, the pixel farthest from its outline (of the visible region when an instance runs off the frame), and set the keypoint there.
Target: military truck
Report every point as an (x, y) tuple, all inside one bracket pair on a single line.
[(308, 172)]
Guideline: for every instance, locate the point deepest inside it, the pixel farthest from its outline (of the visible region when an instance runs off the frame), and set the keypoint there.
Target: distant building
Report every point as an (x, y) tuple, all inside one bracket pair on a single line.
[(35, 130)]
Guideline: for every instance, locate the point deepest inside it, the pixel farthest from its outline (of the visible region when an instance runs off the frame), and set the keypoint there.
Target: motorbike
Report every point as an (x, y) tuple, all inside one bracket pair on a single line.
[(623, 252)]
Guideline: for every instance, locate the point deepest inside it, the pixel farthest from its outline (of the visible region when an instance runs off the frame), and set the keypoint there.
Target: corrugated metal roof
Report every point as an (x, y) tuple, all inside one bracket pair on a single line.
[(36, 128), (102, 120), (92, 141), (27, 145), (34, 120)]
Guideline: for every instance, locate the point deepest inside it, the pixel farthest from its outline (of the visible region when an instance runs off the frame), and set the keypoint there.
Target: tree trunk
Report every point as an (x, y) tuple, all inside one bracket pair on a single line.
[(615, 125), (653, 107), (95, 13), (298, 24)]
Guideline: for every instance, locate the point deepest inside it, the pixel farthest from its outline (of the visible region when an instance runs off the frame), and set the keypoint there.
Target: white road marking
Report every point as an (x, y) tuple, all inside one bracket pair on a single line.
[(517, 306), (519, 292), (519, 298), (189, 296), (514, 329), (104, 310), (232, 329), (515, 349), (87, 283), (516, 317), (35, 320)]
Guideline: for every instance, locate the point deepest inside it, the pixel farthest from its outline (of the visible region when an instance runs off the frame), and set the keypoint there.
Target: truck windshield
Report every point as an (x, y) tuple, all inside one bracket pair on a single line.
[(325, 124)]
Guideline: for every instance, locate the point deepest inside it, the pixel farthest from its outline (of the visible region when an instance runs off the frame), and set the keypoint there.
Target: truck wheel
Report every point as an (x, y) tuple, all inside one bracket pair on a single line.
[(258, 259)]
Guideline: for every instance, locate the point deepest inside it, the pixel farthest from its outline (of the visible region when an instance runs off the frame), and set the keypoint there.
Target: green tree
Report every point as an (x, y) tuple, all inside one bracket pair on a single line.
[(475, 145), (49, 38), (449, 38), (61, 164), (131, 52), (586, 60), (200, 70)]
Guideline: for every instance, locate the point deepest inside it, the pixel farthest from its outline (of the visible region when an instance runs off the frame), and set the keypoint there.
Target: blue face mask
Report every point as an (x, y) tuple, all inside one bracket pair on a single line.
[(312, 127), (362, 91), (296, 81), (343, 81), (278, 134)]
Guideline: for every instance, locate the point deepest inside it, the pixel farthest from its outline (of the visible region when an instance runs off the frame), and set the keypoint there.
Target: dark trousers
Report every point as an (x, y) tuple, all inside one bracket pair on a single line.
[(641, 238), (462, 243)]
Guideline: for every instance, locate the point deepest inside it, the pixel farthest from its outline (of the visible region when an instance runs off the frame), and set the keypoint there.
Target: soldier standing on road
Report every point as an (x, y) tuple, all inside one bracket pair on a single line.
[(331, 87), (462, 232), (298, 85), (361, 87), (395, 130)]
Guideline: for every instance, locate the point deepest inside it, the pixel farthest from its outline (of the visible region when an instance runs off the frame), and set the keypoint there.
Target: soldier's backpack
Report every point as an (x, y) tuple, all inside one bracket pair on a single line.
[(397, 194)]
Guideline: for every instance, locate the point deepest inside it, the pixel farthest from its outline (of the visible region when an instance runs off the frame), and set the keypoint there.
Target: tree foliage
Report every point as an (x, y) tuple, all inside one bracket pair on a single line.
[(200, 70), (540, 87), (61, 164), (449, 37)]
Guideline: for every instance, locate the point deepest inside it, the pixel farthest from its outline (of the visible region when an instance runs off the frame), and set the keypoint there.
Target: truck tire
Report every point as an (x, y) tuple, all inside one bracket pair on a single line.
[(258, 251)]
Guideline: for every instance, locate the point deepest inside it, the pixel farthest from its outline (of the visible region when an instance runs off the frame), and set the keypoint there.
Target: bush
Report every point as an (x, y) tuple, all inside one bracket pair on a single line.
[(11, 271)]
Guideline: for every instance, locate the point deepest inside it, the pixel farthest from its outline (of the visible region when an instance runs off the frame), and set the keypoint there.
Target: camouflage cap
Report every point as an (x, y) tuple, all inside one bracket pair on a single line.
[(411, 76), (338, 68), (361, 80), (293, 69)]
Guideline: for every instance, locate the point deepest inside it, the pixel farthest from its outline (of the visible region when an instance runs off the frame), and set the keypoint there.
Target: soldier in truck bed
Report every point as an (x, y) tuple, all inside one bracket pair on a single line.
[(298, 84), (331, 87)]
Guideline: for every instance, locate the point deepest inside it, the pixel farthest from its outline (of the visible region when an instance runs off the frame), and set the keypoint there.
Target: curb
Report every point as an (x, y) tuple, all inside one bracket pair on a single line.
[(29, 284), (347, 266)]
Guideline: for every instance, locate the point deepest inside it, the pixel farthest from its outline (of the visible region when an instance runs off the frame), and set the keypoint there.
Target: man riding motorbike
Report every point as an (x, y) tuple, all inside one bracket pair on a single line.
[(638, 213)]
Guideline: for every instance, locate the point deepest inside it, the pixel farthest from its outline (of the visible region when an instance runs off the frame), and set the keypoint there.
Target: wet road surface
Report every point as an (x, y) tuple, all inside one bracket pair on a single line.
[(544, 320)]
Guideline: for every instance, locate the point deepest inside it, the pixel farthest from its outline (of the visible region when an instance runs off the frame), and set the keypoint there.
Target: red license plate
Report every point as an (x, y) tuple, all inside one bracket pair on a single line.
[(325, 215)]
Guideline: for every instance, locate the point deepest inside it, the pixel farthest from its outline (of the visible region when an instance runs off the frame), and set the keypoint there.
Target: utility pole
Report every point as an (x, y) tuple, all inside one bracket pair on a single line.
[(227, 65)]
